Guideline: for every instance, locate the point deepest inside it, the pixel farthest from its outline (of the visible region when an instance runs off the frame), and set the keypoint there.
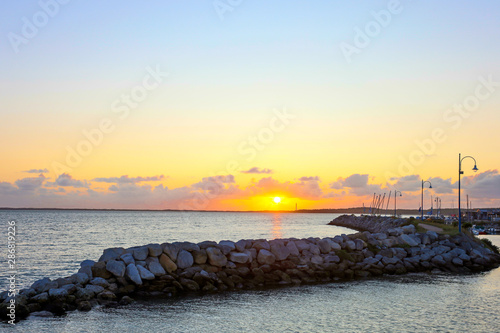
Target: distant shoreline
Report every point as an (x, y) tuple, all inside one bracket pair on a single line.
[(355, 210)]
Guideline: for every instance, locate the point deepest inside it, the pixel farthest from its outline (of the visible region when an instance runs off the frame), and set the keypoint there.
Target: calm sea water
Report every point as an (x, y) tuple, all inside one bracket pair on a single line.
[(53, 243)]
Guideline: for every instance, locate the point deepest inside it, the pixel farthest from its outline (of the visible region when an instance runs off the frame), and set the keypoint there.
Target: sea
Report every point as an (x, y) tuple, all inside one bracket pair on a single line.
[(52, 243)]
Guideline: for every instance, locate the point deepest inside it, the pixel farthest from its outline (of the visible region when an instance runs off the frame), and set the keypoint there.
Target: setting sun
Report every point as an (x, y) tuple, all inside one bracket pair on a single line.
[(277, 200)]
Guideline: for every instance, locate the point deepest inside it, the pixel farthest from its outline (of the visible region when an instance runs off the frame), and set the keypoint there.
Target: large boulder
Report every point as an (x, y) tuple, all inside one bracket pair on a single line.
[(184, 259), (280, 251), (155, 250), (294, 251), (172, 250), (133, 274), (265, 257), (406, 239), (140, 253), (324, 246), (127, 258), (156, 268), (117, 268), (145, 273), (200, 257), (111, 254), (240, 258), (44, 285), (215, 257), (167, 263)]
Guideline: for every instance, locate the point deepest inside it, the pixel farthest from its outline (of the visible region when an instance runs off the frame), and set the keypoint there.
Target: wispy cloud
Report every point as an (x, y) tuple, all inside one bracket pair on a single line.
[(37, 171), (128, 180), (258, 170)]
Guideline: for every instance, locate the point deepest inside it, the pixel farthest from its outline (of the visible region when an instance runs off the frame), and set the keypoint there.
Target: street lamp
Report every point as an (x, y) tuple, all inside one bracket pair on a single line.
[(460, 172), (395, 196), (422, 206)]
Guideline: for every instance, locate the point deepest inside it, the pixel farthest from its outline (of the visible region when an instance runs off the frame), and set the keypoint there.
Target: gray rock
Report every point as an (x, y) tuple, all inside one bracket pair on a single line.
[(86, 270), (87, 263), (294, 251), (81, 278), (145, 273), (438, 261), (112, 253), (156, 268), (140, 253), (350, 245), (59, 293), (464, 257), (127, 258), (100, 282), (406, 239), (360, 245), (317, 259), (390, 261), (241, 258), (334, 245), (241, 245), (302, 245), (200, 257), (433, 235), (230, 244), (207, 244), (43, 285), (171, 250), (324, 246), (184, 259), (117, 268), (41, 298), (280, 251), (188, 246), (332, 259), (155, 250), (265, 257), (133, 274), (409, 229), (425, 239), (261, 244), (457, 262), (42, 314), (314, 249), (215, 257), (441, 249)]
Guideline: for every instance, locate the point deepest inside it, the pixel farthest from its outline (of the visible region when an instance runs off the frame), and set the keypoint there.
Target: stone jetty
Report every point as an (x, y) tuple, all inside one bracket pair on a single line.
[(174, 269)]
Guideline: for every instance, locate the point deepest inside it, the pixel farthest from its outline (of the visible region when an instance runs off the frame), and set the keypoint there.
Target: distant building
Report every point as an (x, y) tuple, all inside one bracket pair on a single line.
[(486, 215)]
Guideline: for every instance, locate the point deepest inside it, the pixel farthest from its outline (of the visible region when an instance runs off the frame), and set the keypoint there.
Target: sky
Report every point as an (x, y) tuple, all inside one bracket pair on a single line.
[(227, 104)]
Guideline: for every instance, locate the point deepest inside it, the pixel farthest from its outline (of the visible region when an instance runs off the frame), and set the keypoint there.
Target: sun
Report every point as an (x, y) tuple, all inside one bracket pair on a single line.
[(277, 200)]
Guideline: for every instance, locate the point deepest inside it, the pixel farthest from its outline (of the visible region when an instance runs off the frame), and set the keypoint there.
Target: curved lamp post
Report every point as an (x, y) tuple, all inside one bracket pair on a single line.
[(460, 172), (422, 206), (395, 196)]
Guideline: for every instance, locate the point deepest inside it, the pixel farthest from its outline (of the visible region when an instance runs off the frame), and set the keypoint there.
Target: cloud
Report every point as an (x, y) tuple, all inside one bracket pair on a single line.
[(30, 183), (408, 183), (357, 184), (67, 180), (37, 171), (484, 185), (257, 170), (441, 186), (127, 180), (309, 179), (7, 188)]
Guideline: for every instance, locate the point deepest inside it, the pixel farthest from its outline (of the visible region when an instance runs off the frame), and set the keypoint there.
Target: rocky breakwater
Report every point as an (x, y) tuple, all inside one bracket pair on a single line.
[(170, 269), (368, 222)]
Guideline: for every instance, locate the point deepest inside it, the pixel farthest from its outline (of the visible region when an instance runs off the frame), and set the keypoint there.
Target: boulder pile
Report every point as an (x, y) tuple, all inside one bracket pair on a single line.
[(170, 269)]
